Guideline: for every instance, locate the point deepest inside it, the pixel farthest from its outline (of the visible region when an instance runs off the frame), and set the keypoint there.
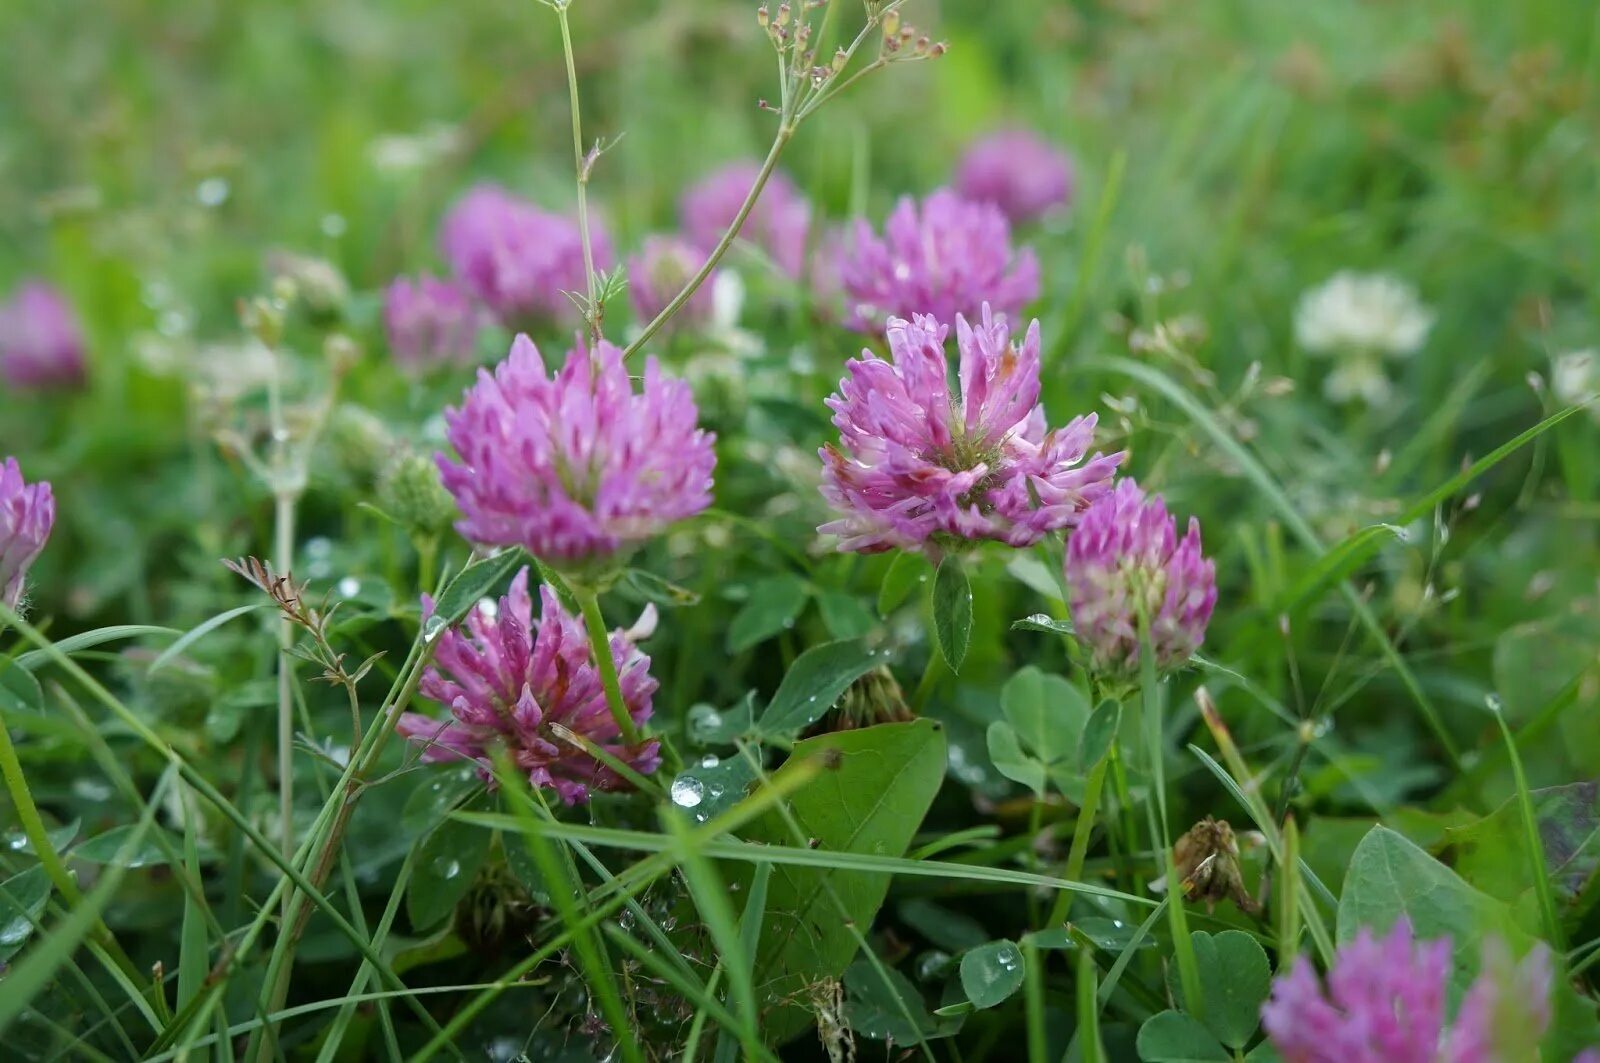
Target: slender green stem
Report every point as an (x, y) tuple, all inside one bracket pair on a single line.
[(932, 673), (595, 625), (1081, 831), (591, 312), (283, 522), (779, 142), (1033, 1001)]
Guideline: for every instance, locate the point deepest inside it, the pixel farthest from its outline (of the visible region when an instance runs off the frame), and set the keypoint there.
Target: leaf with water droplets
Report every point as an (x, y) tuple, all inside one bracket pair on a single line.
[(445, 868), (772, 608), (815, 681), (439, 789), (952, 612), (22, 901), (906, 573), (712, 786), (875, 786), (990, 973), (1043, 622)]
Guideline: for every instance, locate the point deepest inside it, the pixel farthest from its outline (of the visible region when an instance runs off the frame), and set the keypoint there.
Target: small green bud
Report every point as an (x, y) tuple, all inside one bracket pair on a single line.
[(411, 493), (359, 443)]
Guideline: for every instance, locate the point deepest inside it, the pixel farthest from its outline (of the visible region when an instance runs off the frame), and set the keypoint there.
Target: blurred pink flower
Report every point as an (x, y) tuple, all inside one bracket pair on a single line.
[(1125, 558), (431, 322), (1018, 172), (778, 223), (518, 260), (41, 341), (509, 678), (658, 273), (1385, 1003), (919, 467), (577, 465), (943, 257), (27, 514)]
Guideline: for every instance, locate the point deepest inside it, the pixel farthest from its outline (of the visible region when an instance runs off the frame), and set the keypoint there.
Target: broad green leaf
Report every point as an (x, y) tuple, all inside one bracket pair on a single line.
[(1235, 979), (711, 786), (945, 927), (438, 790), (446, 867), (952, 612), (60, 837), (1390, 877), (22, 901), (1035, 575), (1099, 733), (876, 785), (845, 615), (1005, 753), (1492, 853), (1174, 1037), (771, 609), (906, 573), (1047, 712), (709, 725), (815, 681), (472, 584), (113, 847), (19, 690), (649, 587), (886, 1006), (991, 972)]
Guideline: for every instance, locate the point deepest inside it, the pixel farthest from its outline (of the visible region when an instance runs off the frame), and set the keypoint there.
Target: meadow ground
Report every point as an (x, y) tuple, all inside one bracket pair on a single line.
[(1326, 273)]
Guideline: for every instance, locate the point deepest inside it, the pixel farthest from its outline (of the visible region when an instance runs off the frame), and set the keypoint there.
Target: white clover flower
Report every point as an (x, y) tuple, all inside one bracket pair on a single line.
[(1575, 377), (1361, 318), (1369, 312)]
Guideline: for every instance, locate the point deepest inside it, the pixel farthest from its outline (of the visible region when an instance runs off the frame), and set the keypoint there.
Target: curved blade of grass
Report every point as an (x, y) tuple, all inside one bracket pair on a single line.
[(200, 631), (38, 967), (647, 842), (1553, 930), (1262, 479), (68, 646)]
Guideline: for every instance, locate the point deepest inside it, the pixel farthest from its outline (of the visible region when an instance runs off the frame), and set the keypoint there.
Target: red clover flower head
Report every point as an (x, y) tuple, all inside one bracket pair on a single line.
[(518, 260), (920, 467), (943, 257), (1125, 560), (1018, 172), (27, 513), (777, 224), (41, 341), (1385, 1003), (431, 323), (578, 465), (658, 273), (507, 678)]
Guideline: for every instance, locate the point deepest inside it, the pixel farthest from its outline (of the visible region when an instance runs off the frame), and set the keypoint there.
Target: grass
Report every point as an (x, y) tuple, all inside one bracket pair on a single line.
[(1382, 571)]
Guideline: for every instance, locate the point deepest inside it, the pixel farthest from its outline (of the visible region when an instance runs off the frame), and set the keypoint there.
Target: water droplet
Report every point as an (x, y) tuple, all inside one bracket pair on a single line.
[(710, 760), (333, 225), (349, 587), (280, 435), (448, 868), (932, 964), (16, 931), (16, 841), (212, 192), (1493, 703), (687, 791), (433, 627), (489, 608)]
